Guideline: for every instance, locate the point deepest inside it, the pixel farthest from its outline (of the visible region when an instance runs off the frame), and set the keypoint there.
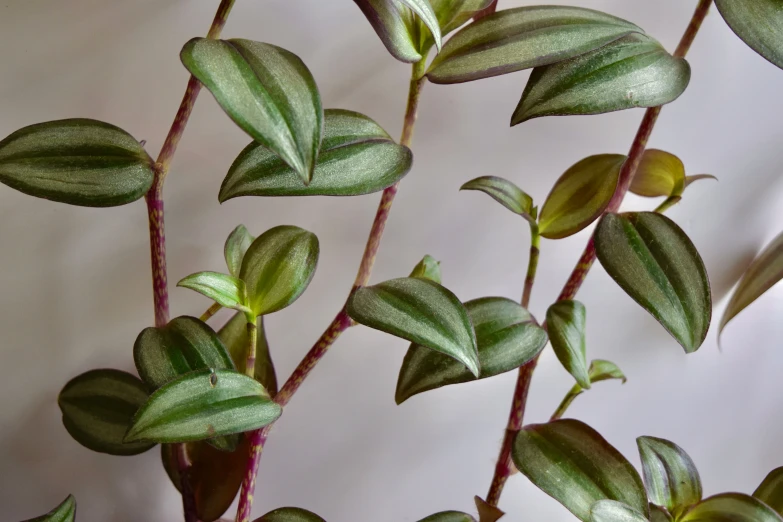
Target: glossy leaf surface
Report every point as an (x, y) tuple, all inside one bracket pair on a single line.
[(520, 38), (504, 192), (235, 248), (670, 476), (227, 291), (357, 157), (770, 491), (202, 405), (660, 173), (566, 323), (420, 311), (427, 268), (393, 22), (653, 260), (267, 91), (572, 463), (451, 15), (290, 514), (278, 267), (613, 511), (759, 23), (65, 512), (731, 507), (234, 337), (449, 516), (77, 161), (506, 336), (98, 408), (634, 71), (580, 195)]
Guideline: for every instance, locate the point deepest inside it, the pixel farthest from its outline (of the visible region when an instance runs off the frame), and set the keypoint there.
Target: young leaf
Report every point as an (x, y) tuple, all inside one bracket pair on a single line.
[(98, 407), (506, 337), (420, 311), (653, 260), (78, 161), (392, 21), (634, 71), (356, 157), (670, 475), (580, 195), (659, 514), (234, 250), (566, 327), (659, 174), (201, 405), (426, 18), (289, 514), (486, 511), (599, 370), (225, 290), (764, 273), (65, 512), (449, 516), (613, 511), (759, 23), (504, 192), (451, 15), (698, 177), (770, 491), (514, 39), (278, 267), (267, 91), (427, 268), (572, 463), (234, 337), (730, 507)]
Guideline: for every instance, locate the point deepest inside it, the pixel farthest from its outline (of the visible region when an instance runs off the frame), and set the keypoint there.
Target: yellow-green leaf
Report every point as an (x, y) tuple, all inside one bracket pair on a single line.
[(770, 491), (226, 290), (428, 268), (730, 507), (660, 173)]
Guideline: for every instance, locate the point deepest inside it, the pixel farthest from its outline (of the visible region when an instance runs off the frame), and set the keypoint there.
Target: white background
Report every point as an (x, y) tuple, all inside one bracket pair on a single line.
[(75, 282)]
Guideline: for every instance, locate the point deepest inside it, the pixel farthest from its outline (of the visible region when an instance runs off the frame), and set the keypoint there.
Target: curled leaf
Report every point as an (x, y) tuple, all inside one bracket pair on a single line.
[(227, 291), (393, 22), (670, 476), (504, 192), (566, 322), (234, 250)]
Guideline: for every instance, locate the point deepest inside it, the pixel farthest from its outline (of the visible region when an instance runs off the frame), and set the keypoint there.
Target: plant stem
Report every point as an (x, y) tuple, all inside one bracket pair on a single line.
[(487, 11), (252, 346), (341, 322), (575, 392), (212, 310), (504, 467), (532, 264)]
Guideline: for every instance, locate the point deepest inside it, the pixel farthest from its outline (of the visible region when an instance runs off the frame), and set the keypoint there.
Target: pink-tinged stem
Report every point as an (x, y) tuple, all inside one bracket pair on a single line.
[(504, 467), (487, 11)]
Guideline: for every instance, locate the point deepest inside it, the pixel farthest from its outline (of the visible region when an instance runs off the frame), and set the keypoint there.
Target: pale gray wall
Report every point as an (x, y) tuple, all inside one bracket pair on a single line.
[(76, 291)]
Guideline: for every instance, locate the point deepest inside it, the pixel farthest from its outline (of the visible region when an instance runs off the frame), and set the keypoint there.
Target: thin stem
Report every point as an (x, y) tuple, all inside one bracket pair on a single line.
[(487, 11), (212, 310), (572, 394), (252, 346), (532, 264)]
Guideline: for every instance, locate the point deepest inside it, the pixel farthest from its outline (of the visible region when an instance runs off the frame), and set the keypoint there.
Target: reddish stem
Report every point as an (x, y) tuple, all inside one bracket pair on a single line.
[(487, 10)]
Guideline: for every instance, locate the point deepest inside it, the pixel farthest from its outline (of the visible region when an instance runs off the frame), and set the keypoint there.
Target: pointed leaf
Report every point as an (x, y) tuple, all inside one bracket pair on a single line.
[(504, 192), (78, 161), (770, 491), (514, 39), (764, 273), (98, 407), (506, 336), (392, 22), (449, 516), (289, 514), (487, 512), (267, 91), (659, 174), (613, 511), (427, 268), (730, 507), (580, 195), (572, 463), (234, 337), (357, 157), (698, 177), (225, 290), (634, 71), (759, 23), (653, 260), (451, 15), (65, 512), (201, 405), (278, 267), (234, 250), (420, 311), (670, 476), (426, 18), (566, 321)]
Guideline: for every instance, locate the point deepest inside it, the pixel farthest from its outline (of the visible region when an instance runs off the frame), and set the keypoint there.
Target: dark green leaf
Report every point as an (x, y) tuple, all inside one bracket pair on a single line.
[(634, 71), (504, 192), (486, 511), (98, 407), (506, 336), (201, 405), (225, 290), (78, 161), (670, 475), (730, 507), (420, 311), (770, 491), (653, 260), (571, 462), (234, 250), (234, 336), (613, 511), (289, 514), (449, 516), (65, 512), (278, 267), (392, 22), (514, 39), (427, 268), (267, 91), (357, 157), (759, 23), (566, 322), (580, 196)]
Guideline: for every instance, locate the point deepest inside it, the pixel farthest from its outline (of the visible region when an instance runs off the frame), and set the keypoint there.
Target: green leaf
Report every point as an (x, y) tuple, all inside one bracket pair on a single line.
[(278, 267), (289, 514), (730, 507), (357, 157), (770, 491), (65, 512), (420, 311), (451, 15), (428, 20), (634, 71), (267, 91), (653, 260), (599, 370), (566, 322), (659, 174), (580, 196), (234, 337), (78, 161), (449, 516), (613, 511), (764, 273), (670, 475), (393, 22), (234, 250), (572, 463), (427, 268), (759, 23), (225, 290), (504, 192), (514, 39), (486, 511), (202, 405), (506, 337), (658, 514), (98, 407), (698, 177)]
